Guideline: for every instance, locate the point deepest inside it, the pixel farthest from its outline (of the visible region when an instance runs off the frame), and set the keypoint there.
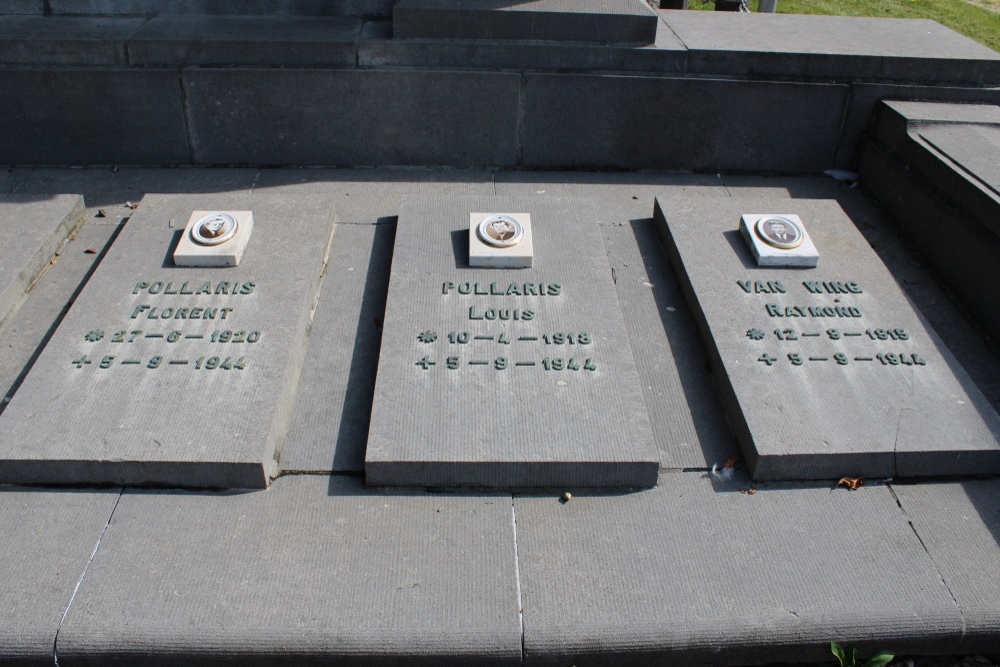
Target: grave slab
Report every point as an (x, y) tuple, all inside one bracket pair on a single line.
[(317, 570), (606, 21), (49, 537), (505, 377), (696, 573), (165, 375), (827, 371), (31, 230), (63, 41)]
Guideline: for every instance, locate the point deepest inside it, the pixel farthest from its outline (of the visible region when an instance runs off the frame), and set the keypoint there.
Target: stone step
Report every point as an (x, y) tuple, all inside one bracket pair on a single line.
[(371, 8), (605, 21), (936, 168)]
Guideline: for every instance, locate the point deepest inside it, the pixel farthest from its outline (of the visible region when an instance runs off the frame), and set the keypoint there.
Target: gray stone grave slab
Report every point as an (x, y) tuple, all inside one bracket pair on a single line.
[(65, 41), (164, 375), (828, 371), (317, 570), (49, 538), (959, 525), (514, 377), (31, 230), (605, 21), (696, 573)]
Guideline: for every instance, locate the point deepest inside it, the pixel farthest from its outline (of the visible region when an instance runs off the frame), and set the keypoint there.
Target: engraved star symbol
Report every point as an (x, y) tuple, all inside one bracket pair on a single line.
[(755, 334), (427, 336)]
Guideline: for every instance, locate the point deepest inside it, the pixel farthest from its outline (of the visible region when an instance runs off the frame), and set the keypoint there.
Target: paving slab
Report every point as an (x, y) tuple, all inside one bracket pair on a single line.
[(704, 123), (31, 230), (838, 48), (27, 332), (959, 525), (359, 117), (245, 40), (827, 371), (49, 537), (316, 569), (374, 195), (70, 115), (202, 397), (65, 41), (329, 427), (695, 572), (605, 21), (505, 377), (234, 7)]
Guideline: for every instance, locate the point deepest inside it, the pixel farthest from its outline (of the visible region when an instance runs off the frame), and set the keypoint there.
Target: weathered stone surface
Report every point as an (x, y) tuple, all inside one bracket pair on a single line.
[(92, 116), (64, 41), (189, 408), (861, 386), (49, 537), (959, 524), (245, 40), (606, 21), (835, 48), (589, 120), (316, 570), (329, 427), (31, 230), (233, 7), (695, 573), (356, 117), (470, 393)]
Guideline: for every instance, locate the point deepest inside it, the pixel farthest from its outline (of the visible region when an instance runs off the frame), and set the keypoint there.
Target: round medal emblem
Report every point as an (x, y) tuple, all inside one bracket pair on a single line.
[(214, 229)]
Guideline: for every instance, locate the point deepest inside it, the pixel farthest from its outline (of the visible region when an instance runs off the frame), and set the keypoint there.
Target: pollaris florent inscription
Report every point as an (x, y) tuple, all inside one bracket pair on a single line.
[(461, 345), (159, 313), (846, 344)]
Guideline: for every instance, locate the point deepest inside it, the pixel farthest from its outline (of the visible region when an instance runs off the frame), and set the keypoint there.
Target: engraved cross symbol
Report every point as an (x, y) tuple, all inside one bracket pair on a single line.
[(767, 359), (79, 363), (425, 362)]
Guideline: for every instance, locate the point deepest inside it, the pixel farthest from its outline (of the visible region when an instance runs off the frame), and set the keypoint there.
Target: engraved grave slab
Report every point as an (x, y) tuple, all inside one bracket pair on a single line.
[(824, 371), (505, 377), (173, 376)]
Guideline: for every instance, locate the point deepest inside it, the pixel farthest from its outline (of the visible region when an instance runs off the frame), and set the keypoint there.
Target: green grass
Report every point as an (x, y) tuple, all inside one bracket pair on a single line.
[(971, 20)]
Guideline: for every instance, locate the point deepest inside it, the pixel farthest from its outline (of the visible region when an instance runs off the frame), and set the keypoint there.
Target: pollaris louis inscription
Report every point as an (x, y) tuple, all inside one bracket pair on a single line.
[(182, 343), (843, 350), (462, 345)]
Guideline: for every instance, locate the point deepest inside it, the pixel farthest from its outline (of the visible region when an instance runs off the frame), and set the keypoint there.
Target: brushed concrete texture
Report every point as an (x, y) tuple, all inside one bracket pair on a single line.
[(490, 421), (112, 190), (821, 418), (592, 121), (696, 573), (64, 41), (377, 48), (865, 97), (961, 248), (688, 421), (329, 426), (959, 525), (838, 48), (232, 7), (49, 537), (31, 230), (352, 117), (374, 195), (26, 333), (316, 570), (245, 40), (173, 423), (605, 21), (91, 116)]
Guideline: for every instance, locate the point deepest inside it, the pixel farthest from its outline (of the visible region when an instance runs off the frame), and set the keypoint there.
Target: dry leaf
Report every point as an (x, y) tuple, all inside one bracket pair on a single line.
[(851, 482), (101, 213), (53, 261), (90, 251), (748, 492), (132, 205), (731, 461)]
